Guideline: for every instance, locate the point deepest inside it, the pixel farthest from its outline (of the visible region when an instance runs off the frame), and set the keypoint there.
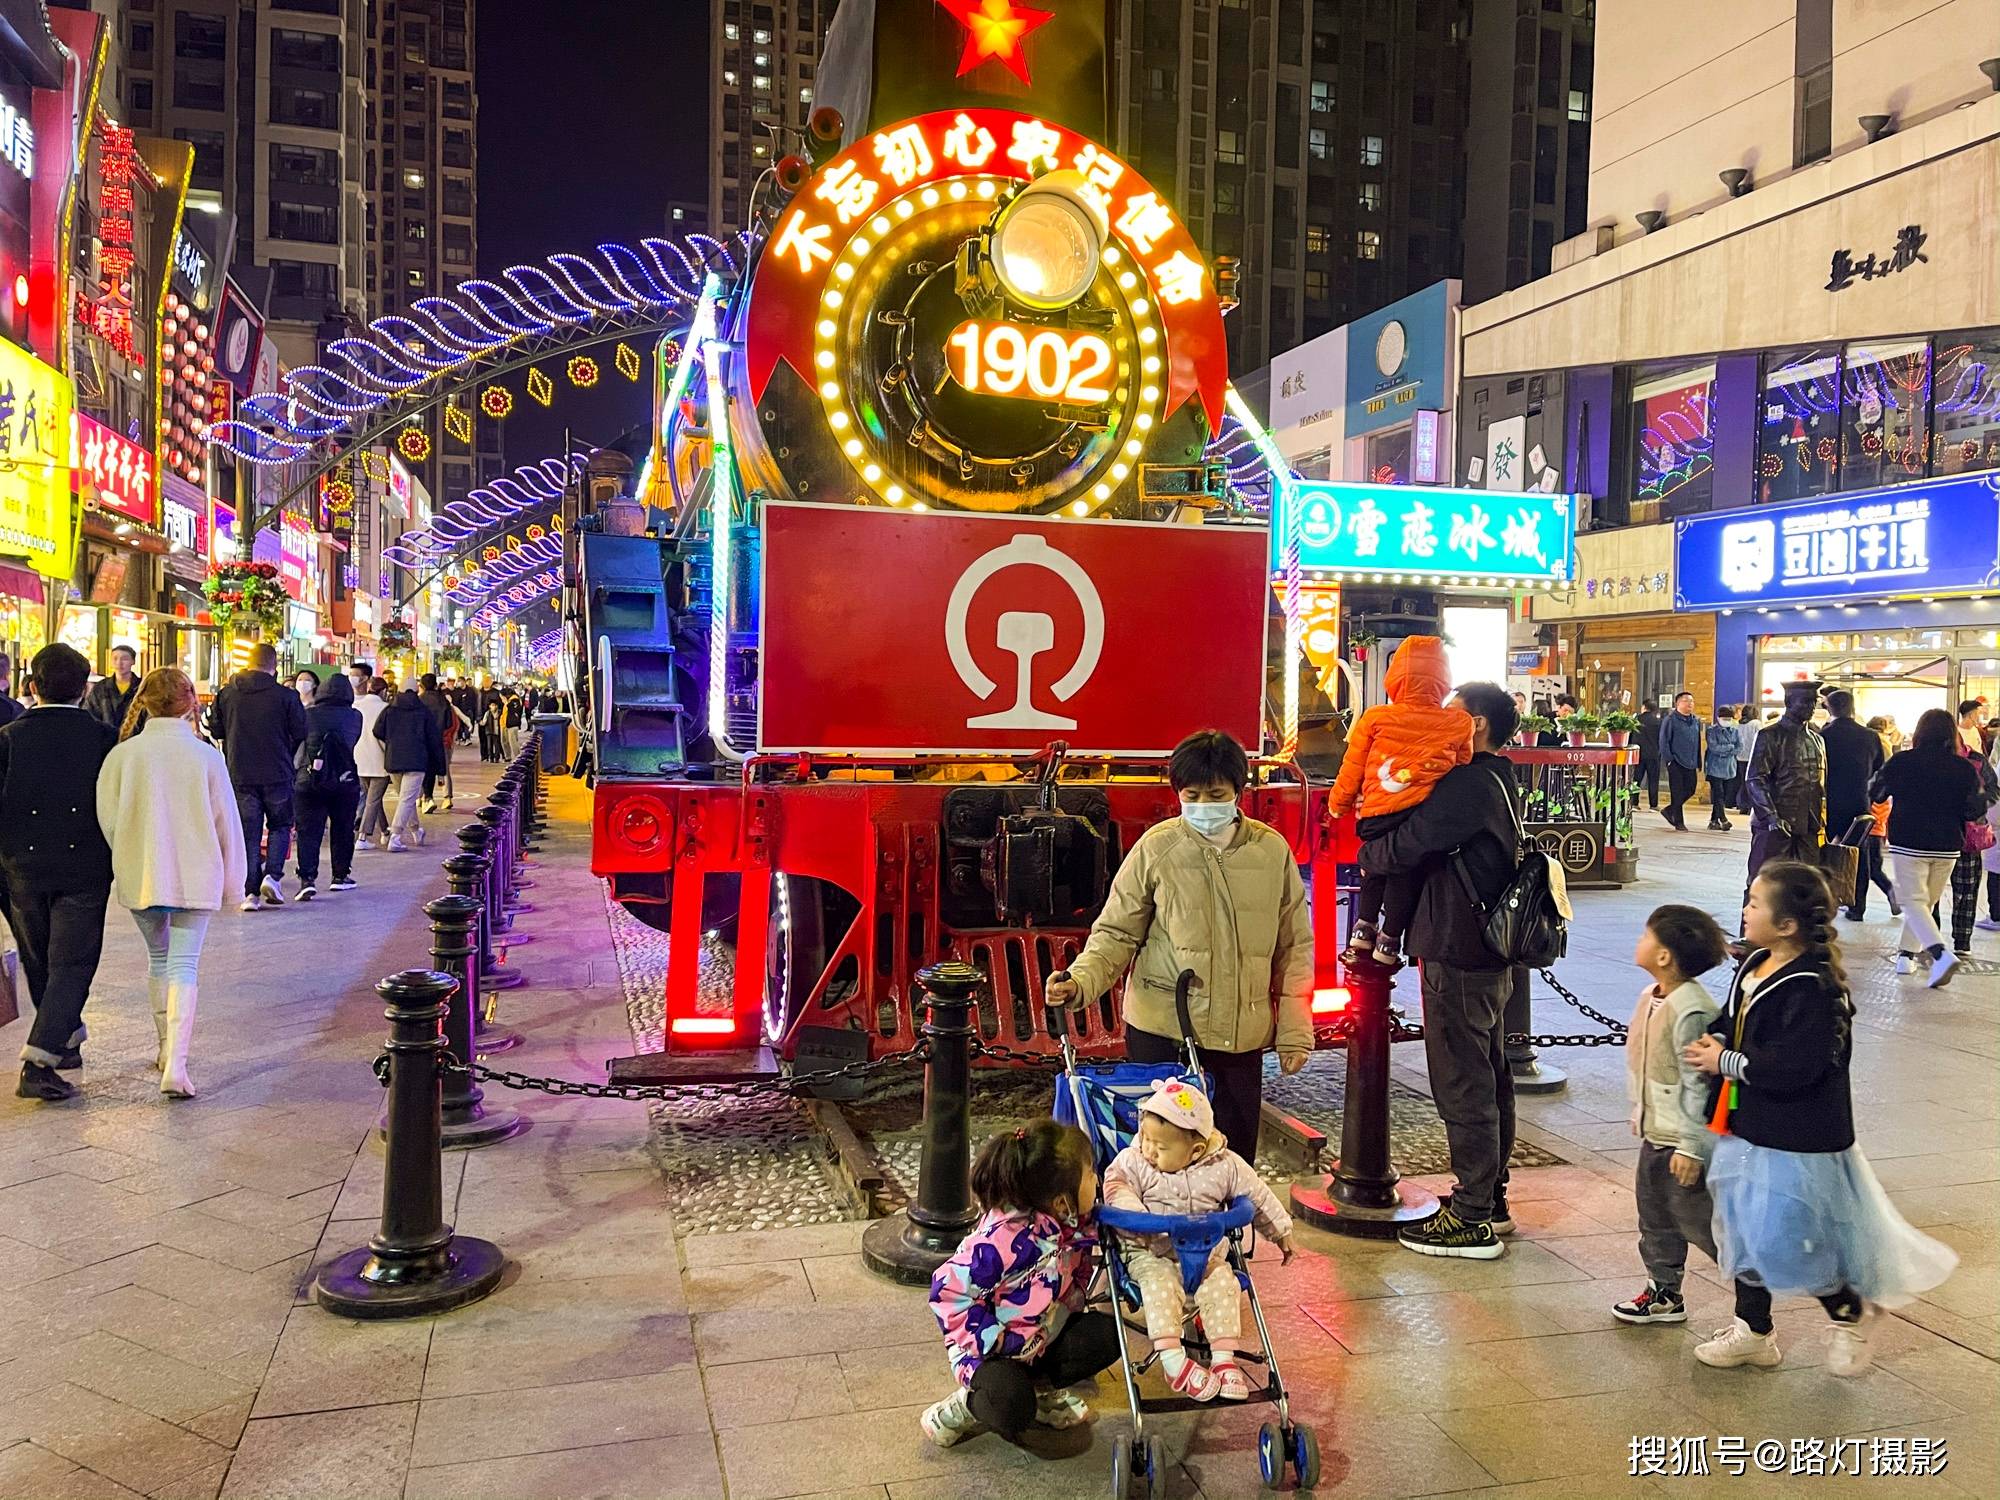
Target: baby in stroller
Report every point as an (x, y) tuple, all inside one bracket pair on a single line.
[(1178, 1163)]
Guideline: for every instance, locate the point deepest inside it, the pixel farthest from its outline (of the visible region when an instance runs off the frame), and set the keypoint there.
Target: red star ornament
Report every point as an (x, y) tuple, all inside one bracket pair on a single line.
[(995, 29)]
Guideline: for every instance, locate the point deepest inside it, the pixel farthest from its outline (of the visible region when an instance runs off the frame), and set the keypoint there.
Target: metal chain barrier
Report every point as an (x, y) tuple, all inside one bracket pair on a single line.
[(1401, 1030), (783, 1086)]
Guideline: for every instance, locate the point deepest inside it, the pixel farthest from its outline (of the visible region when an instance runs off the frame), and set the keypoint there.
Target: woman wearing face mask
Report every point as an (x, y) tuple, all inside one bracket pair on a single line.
[(1209, 872)]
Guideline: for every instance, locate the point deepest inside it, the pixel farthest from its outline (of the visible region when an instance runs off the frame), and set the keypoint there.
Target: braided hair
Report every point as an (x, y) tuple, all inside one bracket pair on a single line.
[(1033, 1167), (1798, 893)]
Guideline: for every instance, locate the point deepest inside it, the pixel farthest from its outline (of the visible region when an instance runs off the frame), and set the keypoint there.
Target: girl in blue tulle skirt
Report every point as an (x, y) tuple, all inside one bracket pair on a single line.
[(1798, 1210)]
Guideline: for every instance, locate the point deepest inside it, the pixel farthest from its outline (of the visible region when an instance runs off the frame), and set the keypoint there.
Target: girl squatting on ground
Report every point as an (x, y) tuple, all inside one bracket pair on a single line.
[(1798, 1210)]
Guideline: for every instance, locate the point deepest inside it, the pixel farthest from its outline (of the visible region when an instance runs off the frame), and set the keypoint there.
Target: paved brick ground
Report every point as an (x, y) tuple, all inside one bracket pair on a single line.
[(154, 1340)]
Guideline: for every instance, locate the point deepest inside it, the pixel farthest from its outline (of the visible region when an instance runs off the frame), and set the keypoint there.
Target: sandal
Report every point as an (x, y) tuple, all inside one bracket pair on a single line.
[(1197, 1382), (1232, 1383)]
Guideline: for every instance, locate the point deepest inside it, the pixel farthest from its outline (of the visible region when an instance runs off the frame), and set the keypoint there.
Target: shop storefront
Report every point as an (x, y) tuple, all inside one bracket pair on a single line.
[(1892, 593), (1617, 642), (1399, 389), (37, 512)]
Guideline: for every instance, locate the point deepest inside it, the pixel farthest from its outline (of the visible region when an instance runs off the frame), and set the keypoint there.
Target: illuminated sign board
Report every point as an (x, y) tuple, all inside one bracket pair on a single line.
[(294, 551), (1389, 531), (36, 508), (118, 470), (1034, 364), (1936, 536), (184, 515), (17, 138)]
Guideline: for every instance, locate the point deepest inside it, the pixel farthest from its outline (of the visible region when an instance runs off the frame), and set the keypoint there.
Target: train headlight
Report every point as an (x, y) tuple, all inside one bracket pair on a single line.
[(1045, 245)]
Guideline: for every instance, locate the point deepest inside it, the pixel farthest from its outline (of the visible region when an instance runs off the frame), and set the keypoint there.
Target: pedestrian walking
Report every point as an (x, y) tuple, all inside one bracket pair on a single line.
[(1854, 753), (260, 724), (411, 749), (1972, 727), (373, 830), (1969, 867), (1798, 1210), (1010, 1301), (110, 697), (1719, 765), (11, 708), (1680, 753), (1933, 791), (1470, 814), (55, 867), (328, 786), (489, 724), (1669, 1099), (1788, 784), (170, 812), (511, 718), (441, 708), (360, 676), (306, 685), (1211, 870), (1647, 741), (1747, 726)]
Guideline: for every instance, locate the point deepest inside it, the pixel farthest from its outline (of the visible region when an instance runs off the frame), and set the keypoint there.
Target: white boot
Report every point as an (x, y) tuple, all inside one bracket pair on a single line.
[(180, 1033), (156, 991)]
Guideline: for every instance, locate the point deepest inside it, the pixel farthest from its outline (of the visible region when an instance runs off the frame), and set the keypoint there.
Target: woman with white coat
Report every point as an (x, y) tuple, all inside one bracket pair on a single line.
[(368, 764), (169, 813)]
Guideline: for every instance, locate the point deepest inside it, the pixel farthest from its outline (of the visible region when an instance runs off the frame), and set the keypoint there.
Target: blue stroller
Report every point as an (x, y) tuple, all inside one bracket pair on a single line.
[(1103, 1100)]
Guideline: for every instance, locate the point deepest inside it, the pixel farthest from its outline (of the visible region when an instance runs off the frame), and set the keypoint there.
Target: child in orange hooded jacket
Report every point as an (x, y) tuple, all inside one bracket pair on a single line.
[(1396, 754)]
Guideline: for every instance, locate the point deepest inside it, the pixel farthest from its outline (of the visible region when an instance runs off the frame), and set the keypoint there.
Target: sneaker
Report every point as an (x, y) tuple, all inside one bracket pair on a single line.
[(1657, 1304), (445, 806), (1988, 924), (420, 833), (1894, 909), (307, 890), (1737, 1345), (343, 884), (1444, 1233), (1942, 968), (1388, 952), (1502, 1221), (1906, 963), (948, 1421), (1061, 1409), (397, 846), (1231, 1383), (252, 903), (43, 1083), (272, 892), (427, 806), (1847, 1348), (1360, 942)]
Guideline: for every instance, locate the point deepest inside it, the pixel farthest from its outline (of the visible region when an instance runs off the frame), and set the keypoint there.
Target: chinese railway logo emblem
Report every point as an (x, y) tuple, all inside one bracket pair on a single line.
[(1024, 634)]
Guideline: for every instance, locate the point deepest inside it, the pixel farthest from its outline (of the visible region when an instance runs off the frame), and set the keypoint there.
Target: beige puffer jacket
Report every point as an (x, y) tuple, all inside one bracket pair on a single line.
[(1236, 916)]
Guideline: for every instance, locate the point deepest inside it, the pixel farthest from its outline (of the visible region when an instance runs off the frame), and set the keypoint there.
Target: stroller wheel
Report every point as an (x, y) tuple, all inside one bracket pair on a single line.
[(1305, 1456), (1121, 1470), (1156, 1468), (1271, 1455)]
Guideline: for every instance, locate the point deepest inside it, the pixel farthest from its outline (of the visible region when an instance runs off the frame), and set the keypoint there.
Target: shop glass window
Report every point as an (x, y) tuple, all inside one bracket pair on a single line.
[(1673, 442), (1389, 456), (1965, 403), (1798, 444), (1885, 413)]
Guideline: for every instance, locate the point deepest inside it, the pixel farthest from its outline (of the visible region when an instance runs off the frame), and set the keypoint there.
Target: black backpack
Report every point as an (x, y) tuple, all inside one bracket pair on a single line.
[(1528, 923), (325, 763)]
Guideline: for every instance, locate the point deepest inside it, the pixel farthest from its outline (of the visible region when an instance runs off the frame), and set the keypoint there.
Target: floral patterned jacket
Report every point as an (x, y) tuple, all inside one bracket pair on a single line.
[(1008, 1290)]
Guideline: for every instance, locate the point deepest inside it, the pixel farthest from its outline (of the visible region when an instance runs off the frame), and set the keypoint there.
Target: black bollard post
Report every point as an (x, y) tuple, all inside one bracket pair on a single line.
[(414, 1265), (524, 815), (908, 1246), (1531, 1074), (507, 800), (1365, 1196), (465, 877), (476, 838), (455, 951), (499, 919)]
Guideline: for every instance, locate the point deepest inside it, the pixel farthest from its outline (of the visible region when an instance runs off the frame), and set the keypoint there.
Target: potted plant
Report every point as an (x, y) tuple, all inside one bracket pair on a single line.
[(1621, 725), (246, 596), (1536, 724), (1581, 726)]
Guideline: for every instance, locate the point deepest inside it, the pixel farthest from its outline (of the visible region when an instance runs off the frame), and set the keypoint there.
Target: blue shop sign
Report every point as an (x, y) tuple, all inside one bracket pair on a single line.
[(1395, 360), (1461, 535), (1938, 536)]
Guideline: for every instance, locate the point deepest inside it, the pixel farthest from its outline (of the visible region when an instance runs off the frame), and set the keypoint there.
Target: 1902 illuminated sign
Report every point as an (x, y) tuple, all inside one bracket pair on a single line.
[(1422, 531), (1936, 536)]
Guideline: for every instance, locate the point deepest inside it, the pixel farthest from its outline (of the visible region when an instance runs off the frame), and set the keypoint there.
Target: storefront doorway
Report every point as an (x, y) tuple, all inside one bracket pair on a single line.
[(1897, 674), (1661, 675)]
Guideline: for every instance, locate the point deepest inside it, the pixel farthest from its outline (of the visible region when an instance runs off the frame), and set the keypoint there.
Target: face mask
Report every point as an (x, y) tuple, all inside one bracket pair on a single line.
[(1209, 817)]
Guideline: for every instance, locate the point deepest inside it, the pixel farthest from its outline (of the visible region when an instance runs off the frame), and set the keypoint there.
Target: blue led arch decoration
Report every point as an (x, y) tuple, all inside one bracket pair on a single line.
[(455, 529)]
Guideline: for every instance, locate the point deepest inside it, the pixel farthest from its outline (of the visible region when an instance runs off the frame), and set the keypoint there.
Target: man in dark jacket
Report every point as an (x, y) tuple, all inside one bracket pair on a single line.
[(1853, 755), (1788, 784), (412, 749), (1647, 741), (441, 709), (1470, 813), (1680, 753), (55, 868), (10, 707), (260, 725), (110, 697), (328, 789)]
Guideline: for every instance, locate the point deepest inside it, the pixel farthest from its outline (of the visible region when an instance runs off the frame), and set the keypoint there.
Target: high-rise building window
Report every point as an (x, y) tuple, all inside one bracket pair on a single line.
[(1322, 96), (306, 166), (317, 50), (142, 38), (200, 38), (1229, 147), (207, 156), (1316, 143), (1367, 244), (310, 107), (1319, 239), (761, 37), (1579, 105), (761, 83), (414, 276), (1317, 286), (1371, 151), (1813, 128), (142, 96), (1371, 197), (191, 92), (732, 31), (312, 223)]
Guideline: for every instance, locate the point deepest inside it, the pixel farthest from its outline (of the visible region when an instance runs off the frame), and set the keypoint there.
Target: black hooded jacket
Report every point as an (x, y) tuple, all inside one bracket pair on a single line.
[(260, 725), (333, 729), (409, 736)]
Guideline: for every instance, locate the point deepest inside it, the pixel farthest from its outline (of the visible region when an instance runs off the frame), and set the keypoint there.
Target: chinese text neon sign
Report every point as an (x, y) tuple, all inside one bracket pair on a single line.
[(110, 316)]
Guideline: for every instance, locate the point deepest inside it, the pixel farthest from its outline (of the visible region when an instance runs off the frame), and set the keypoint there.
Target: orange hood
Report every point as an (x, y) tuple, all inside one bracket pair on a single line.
[(1419, 672)]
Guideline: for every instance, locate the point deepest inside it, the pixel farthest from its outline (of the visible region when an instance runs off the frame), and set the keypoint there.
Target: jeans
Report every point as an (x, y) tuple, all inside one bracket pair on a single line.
[(1235, 1079), (373, 819), (1471, 1084), (1742, 803), (1002, 1391), (261, 807), (61, 936), (173, 941), (1680, 787), (1920, 880), (409, 786), (333, 813), (1671, 1218)]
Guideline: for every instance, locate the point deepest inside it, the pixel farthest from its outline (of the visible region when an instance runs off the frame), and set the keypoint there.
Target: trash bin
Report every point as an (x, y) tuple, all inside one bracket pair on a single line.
[(554, 732)]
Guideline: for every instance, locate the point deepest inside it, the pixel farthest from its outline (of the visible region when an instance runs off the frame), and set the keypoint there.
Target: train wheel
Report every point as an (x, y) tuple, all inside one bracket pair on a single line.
[(794, 951)]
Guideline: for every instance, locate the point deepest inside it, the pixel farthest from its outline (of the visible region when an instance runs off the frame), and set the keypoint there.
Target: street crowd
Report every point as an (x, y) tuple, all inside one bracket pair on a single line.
[(124, 787)]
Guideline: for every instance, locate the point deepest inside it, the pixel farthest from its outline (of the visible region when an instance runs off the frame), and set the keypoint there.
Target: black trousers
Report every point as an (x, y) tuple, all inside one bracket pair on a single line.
[(1993, 894), (1465, 1048), (331, 813), (1721, 796), (261, 807), (1753, 1306), (1870, 873), (1649, 776), (1235, 1082), (61, 936), (1002, 1392), (1680, 787)]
